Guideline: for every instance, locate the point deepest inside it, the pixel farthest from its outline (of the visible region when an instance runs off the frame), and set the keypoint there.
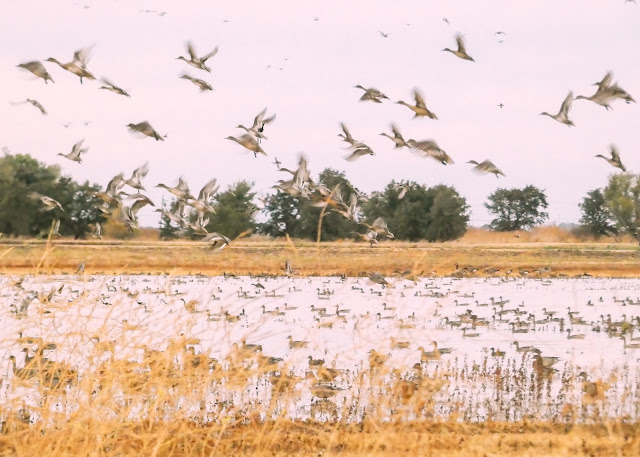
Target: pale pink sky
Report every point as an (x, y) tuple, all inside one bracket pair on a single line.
[(550, 48)]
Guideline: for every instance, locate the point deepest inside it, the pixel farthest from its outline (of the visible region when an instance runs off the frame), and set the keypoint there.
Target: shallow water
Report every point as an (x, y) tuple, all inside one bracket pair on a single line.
[(150, 310)]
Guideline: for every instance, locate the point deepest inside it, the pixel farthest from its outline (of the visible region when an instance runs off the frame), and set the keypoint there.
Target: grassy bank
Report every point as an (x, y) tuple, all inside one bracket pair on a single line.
[(268, 257)]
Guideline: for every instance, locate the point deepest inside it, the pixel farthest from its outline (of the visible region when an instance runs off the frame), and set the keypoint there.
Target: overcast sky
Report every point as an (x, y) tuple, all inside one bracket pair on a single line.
[(301, 59)]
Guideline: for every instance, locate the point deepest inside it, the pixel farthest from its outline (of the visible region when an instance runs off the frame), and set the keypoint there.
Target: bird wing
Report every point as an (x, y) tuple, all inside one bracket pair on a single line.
[(566, 104), (427, 146), (76, 147), (191, 50), (108, 83), (82, 56), (483, 167), (182, 184), (257, 121), (204, 58), (460, 42), (419, 99), (37, 105), (606, 81), (346, 131), (396, 132), (615, 155), (139, 204), (207, 190), (441, 156), (115, 184), (141, 171), (268, 120), (353, 201)]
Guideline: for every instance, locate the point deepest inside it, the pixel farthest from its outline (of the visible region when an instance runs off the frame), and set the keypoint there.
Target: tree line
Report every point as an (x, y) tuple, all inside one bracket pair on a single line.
[(412, 211)]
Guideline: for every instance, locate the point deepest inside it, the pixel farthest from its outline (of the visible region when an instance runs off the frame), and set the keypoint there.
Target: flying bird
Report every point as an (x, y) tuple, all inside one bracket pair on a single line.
[(76, 152), (145, 128), (461, 51), (372, 94), (37, 69), (563, 114), (380, 227), (346, 136), (136, 177), (378, 279), (78, 66), (259, 123), (431, 149), (48, 202), (607, 91), (113, 88), (420, 108), (202, 84), (486, 166), (34, 103), (358, 151), (181, 190), (615, 158), (384, 35), (249, 142), (396, 138), (198, 62), (219, 242)]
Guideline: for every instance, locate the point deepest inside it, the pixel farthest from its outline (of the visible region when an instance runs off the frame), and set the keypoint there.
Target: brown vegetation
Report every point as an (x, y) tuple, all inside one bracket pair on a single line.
[(478, 249)]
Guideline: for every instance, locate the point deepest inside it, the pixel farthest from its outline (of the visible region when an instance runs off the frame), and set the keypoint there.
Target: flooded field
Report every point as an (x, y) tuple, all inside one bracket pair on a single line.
[(474, 349)]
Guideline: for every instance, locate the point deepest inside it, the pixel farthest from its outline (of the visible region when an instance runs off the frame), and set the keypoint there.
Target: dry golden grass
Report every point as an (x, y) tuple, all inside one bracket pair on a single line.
[(182, 438), (262, 256), (177, 403)]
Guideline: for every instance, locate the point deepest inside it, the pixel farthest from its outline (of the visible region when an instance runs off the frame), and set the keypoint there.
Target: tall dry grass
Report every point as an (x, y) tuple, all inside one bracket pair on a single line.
[(180, 402)]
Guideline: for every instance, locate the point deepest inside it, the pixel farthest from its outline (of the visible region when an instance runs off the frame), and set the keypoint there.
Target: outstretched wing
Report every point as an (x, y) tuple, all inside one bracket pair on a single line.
[(460, 42), (396, 132), (566, 104), (204, 58), (191, 50), (615, 155), (346, 131), (419, 98), (82, 56)]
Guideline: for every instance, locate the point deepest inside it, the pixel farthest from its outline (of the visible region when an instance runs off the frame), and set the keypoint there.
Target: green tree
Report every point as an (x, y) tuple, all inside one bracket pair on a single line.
[(284, 215), (448, 215), (436, 214), (81, 212), (596, 217), (235, 210), (622, 198), (517, 209), (23, 216)]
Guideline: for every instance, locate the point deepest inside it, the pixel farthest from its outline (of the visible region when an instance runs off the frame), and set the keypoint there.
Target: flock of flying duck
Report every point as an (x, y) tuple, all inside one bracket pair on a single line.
[(300, 183)]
